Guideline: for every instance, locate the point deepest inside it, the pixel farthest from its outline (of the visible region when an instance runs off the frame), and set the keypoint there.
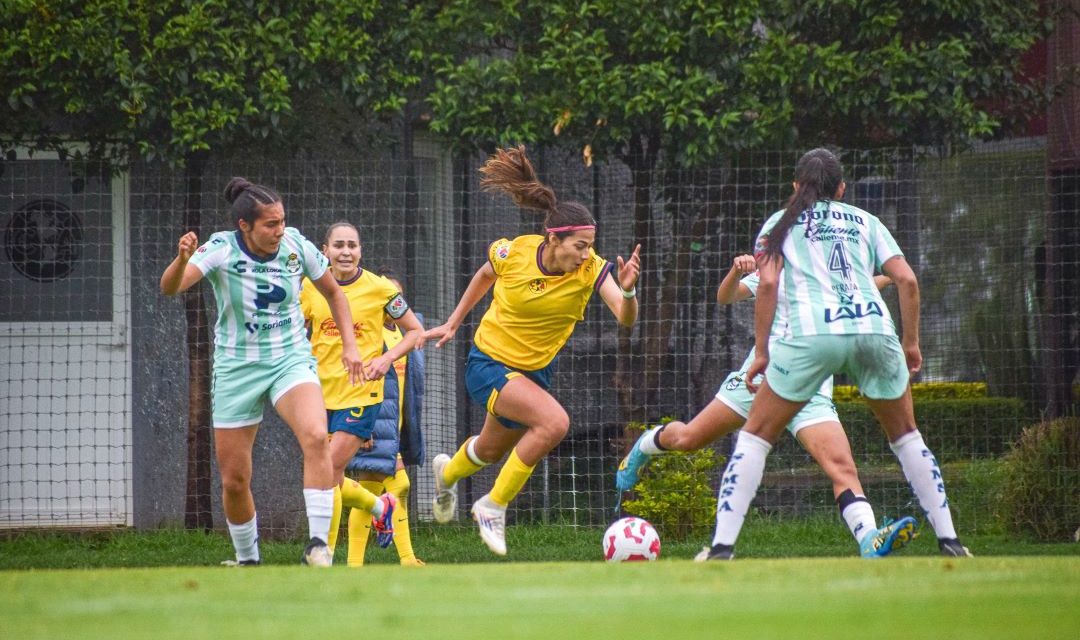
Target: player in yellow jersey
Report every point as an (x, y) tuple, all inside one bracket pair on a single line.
[(396, 440), (353, 409), (541, 286)]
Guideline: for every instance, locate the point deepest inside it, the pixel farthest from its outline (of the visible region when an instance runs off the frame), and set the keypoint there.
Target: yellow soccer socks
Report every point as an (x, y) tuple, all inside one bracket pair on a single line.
[(335, 522), (399, 485), (463, 464), (512, 477), (356, 495), (360, 525)]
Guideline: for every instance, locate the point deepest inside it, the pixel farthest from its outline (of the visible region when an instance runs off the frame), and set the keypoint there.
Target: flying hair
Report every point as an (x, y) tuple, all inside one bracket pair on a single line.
[(510, 171)]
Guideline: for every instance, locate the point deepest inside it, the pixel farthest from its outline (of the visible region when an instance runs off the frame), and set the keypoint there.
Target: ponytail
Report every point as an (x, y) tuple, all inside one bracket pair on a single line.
[(510, 171), (818, 175)]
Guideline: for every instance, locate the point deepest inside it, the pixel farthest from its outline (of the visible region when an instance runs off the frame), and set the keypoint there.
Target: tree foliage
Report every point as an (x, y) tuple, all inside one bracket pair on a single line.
[(705, 78), (172, 78)]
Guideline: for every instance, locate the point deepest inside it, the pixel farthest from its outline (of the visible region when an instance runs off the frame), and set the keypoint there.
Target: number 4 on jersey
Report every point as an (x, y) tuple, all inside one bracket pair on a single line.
[(838, 261)]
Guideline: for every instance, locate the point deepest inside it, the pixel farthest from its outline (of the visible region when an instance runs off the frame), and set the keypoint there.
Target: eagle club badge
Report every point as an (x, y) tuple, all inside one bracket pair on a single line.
[(292, 265), (538, 286)]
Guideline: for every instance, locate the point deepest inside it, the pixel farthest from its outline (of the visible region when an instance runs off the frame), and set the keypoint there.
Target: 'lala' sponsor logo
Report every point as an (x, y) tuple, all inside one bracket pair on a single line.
[(853, 312)]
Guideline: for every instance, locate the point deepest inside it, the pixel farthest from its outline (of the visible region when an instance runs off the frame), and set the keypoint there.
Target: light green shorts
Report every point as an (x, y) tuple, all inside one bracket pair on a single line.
[(241, 388), (798, 366), (734, 394)]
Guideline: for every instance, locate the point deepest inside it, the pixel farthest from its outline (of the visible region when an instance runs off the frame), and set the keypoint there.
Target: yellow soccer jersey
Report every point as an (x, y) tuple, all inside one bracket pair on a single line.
[(369, 295), (391, 337), (534, 312)]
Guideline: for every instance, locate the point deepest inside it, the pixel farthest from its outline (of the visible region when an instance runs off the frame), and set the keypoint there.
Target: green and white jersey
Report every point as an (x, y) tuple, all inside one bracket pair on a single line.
[(258, 299), (827, 284), (751, 282)]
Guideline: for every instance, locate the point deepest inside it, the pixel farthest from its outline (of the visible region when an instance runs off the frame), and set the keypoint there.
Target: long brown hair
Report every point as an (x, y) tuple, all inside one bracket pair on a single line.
[(510, 171), (818, 175)]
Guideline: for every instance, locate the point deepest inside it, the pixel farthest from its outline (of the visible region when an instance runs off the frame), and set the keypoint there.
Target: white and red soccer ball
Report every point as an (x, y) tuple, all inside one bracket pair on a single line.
[(631, 539)]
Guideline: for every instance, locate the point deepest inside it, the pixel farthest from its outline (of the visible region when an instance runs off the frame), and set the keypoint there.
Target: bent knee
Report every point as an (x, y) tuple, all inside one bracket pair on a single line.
[(556, 426)]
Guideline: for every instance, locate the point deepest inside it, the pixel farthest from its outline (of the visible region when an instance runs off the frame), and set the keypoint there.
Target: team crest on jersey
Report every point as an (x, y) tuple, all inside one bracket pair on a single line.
[(502, 249), (538, 286), (292, 265)]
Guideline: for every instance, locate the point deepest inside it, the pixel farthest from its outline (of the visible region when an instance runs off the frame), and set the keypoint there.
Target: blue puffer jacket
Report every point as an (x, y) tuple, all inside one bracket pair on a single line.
[(382, 457)]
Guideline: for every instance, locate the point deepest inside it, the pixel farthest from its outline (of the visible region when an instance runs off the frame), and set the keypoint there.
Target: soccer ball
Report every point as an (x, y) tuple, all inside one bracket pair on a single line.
[(631, 539)]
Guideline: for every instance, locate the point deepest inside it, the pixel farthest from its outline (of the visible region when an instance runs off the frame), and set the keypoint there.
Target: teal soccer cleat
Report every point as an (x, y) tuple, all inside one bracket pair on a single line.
[(631, 466), (893, 536)]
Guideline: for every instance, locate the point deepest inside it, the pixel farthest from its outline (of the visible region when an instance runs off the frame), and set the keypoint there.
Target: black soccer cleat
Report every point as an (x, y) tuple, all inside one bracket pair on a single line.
[(952, 548), (717, 552)]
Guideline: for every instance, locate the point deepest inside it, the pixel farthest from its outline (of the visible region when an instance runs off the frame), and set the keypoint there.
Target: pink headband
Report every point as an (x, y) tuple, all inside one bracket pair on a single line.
[(580, 227)]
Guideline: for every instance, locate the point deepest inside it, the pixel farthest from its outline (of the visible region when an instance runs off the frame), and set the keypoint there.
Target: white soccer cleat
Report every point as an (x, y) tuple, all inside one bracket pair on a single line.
[(317, 554), (491, 518), (444, 506)]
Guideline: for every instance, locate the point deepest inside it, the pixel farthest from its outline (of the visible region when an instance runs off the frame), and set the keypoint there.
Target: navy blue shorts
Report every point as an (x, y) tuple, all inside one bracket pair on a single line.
[(485, 377), (358, 421)]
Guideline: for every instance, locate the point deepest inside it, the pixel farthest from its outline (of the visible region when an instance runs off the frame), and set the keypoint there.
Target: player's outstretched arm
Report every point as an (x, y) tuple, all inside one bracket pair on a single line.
[(179, 276), (620, 293), (478, 287)]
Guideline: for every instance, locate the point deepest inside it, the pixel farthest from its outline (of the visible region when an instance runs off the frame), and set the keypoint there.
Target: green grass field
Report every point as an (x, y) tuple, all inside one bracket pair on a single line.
[(166, 584), (982, 598)]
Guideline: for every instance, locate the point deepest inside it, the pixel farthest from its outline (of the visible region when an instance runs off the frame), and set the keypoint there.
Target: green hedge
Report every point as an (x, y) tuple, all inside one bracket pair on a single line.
[(1041, 492), (953, 429), (922, 391)]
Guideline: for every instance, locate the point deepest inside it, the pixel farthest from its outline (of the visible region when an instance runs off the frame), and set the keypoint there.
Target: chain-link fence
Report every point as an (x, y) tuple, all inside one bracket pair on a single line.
[(101, 423)]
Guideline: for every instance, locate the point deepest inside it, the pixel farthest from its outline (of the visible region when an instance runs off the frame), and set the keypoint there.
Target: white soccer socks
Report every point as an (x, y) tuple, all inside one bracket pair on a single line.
[(739, 486), (923, 474)]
